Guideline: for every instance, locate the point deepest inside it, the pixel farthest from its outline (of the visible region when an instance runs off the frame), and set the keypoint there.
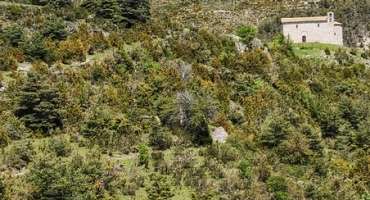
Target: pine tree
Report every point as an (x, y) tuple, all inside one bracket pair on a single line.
[(160, 188), (110, 9), (38, 106), (135, 11)]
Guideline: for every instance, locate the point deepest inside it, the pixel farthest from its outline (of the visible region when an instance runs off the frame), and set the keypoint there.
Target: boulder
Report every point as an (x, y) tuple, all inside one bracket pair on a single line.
[(219, 135), (256, 44)]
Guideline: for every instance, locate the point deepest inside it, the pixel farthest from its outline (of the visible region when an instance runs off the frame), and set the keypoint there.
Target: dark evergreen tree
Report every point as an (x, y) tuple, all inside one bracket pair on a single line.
[(35, 48), (110, 9), (38, 106), (135, 11), (128, 12), (55, 29)]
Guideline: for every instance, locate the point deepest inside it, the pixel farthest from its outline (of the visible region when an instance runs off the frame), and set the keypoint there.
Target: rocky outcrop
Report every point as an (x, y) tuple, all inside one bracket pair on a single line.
[(219, 135)]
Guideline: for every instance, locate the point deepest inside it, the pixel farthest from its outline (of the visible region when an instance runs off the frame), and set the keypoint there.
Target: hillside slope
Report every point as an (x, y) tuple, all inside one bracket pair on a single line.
[(106, 100)]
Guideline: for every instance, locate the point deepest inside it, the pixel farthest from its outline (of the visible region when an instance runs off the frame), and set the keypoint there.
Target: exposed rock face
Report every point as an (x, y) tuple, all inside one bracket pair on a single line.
[(219, 135), (256, 44)]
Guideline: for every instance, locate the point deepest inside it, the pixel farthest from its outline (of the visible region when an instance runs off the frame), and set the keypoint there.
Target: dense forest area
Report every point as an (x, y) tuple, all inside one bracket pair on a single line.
[(120, 99)]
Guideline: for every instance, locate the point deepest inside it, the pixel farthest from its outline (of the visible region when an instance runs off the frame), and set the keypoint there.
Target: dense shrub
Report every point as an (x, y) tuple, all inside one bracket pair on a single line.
[(36, 48), (60, 146), (161, 139), (269, 27), (144, 155), (105, 129), (54, 29), (77, 178), (245, 168), (274, 132), (159, 188), (19, 155), (126, 12), (278, 186), (246, 33), (38, 106), (14, 35)]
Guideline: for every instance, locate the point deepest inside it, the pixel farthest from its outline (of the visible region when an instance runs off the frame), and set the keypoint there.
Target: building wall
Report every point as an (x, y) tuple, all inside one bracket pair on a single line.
[(322, 32)]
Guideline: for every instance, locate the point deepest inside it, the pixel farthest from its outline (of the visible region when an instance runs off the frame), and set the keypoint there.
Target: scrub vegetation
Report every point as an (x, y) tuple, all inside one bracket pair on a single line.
[(118, 99)]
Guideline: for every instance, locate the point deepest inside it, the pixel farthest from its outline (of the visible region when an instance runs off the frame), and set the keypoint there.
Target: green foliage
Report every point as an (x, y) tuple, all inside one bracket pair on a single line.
[(60, 146), (14, 35), (144, 155), (138, 104), (60, 3), (19, 155), (190, 114), (246, 33), (269, 27), (54, 29), (342, 57), (160, 139), (160, 187), (278, 186), (282, 45), (77, 178), (107, 128), (127, 12), (362, 138), (274, 132), (36, 48), (245, 168), (38, 106)]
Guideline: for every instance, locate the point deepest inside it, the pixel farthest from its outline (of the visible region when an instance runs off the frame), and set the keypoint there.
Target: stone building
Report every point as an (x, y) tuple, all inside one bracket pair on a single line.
[(321, 29)]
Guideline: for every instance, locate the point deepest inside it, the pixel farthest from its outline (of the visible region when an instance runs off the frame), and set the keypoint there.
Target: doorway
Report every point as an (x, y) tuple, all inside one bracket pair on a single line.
[(304, 39)]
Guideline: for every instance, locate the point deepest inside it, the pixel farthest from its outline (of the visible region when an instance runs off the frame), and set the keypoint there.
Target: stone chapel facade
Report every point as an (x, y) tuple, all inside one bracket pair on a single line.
[(321, 29)]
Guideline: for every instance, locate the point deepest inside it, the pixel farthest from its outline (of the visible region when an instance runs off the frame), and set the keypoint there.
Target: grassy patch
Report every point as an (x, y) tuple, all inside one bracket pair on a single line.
[(313, 49)]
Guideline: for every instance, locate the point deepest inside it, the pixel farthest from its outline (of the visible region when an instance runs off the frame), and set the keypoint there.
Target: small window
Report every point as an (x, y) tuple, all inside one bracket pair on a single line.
[(335, 33), (318, 25), (296, 26)]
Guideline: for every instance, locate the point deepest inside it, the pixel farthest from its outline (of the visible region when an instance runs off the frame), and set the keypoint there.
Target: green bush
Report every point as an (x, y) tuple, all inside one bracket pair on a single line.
[(38, 106), (19, 155), (160, 187), (144, 155), (161, 139), (124, 12), (245, 168), (60, 146), (14, 35), (246, 33), (75, 178), (54, 29), (274, 131), (35, 48), (279, 187)]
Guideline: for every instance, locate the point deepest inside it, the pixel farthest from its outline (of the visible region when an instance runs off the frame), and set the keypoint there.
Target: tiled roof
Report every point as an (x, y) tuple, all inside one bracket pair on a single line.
[(304, 19)]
